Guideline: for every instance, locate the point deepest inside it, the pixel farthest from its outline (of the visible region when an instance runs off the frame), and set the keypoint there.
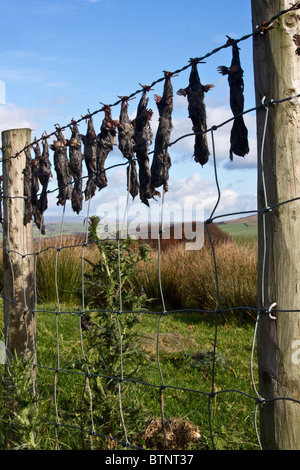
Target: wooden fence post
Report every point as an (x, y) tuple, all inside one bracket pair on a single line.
[(277, 76), (18, 268)]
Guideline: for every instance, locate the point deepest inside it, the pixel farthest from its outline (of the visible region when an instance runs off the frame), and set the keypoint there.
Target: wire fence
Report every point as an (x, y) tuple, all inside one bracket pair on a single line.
[(61, 421)]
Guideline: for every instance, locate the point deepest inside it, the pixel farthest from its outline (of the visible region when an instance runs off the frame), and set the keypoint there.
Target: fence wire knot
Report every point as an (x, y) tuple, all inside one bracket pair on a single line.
[(267, 104), (260, 401)]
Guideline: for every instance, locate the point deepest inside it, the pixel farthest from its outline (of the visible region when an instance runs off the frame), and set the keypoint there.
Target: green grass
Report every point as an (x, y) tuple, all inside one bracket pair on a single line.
[(188, 282), (243, 233), (53, 229), (239, 229), (232, 414)]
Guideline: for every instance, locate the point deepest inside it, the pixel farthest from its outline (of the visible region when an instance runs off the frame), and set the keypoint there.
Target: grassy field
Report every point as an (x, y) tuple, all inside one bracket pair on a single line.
[(189, 284), (241, 230), (232, 414), (53, 229)]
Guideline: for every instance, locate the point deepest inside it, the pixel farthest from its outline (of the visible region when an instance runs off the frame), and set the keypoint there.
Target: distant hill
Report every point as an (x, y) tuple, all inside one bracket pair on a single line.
[(53, 229), (176, 234), (244, 228), (249, 220)]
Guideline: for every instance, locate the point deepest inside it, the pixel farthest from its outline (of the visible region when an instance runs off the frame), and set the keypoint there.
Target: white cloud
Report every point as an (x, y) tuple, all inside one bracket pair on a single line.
[(20, 74), (244, 163), (13, 117), (184, 147), (191, 193), (58, 84), (191, 190), (19, 54), (196, 190)]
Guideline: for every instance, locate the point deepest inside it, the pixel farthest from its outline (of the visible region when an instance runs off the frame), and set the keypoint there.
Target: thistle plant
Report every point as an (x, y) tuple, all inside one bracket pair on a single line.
[(113, 351)]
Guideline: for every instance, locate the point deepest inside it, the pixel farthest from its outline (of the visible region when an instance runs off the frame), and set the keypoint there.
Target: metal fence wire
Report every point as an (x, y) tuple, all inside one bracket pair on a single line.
[(162, 388)]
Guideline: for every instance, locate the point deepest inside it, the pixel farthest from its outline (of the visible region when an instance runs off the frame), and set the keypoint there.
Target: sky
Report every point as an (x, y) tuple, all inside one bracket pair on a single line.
[(59, 59)]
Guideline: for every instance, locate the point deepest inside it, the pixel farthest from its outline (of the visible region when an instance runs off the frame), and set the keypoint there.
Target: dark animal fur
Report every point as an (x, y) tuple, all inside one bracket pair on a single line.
[(197, 113), (27, 181), (90, 157), (35, 185), (62, 168), (239, 132), (296, 39), (76, 157), (126, 146), (161, 158), (41, 173), (44, 174), (143, 139), (106, 140)]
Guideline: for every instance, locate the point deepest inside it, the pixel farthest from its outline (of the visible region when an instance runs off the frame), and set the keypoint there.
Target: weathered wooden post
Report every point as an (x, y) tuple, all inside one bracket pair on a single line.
[(18, 266), (277, 76)]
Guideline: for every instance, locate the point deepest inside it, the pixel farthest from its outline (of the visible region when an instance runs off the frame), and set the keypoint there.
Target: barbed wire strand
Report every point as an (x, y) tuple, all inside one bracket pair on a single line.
[(260, 29), (214, 127)]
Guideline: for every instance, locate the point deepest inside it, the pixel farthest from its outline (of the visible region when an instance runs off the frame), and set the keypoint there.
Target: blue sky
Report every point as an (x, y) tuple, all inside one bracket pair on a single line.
[(60, 58)]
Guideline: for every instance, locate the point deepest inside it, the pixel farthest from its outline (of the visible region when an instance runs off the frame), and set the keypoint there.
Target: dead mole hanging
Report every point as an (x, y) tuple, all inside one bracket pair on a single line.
[(90, 157), (161, 162), (126, 146), (44, 174), (239, 132), (143, 139), (106, 141), (197, 112), (35, 185), (27, 183), (62, 168), (75, 158)]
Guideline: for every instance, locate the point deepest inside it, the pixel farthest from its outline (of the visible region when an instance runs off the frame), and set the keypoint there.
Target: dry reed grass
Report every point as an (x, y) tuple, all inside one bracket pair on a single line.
[(64, 265), (189, 277)]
